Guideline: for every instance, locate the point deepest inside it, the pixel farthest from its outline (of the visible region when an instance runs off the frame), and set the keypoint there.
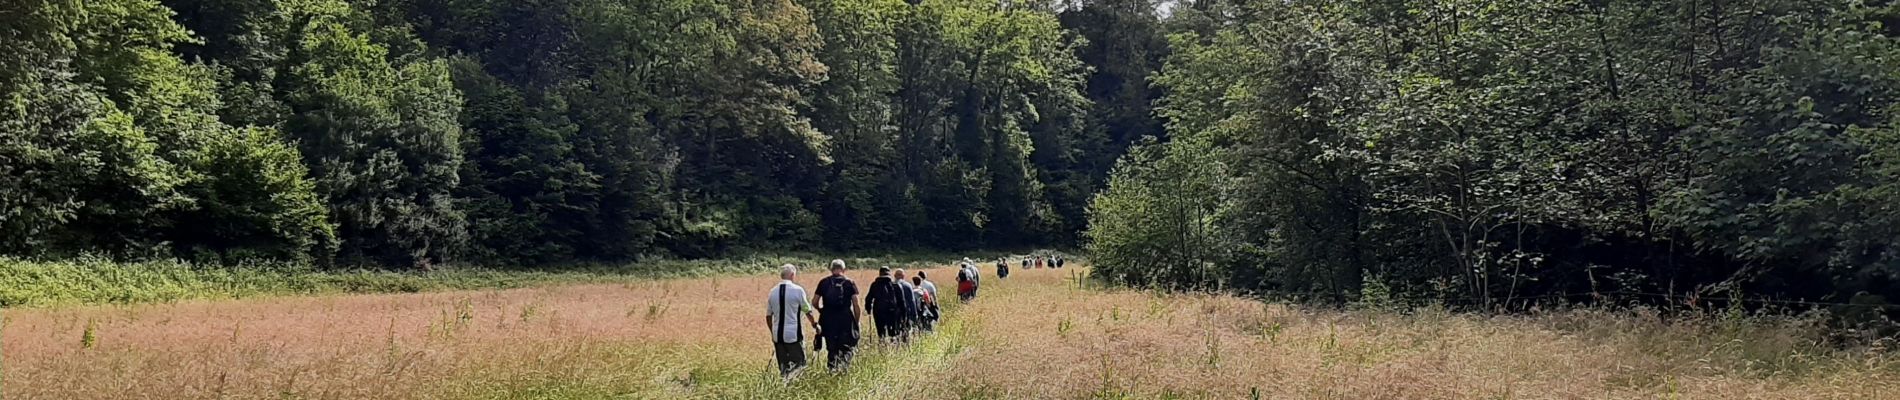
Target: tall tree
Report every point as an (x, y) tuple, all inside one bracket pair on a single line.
[(121, 133)]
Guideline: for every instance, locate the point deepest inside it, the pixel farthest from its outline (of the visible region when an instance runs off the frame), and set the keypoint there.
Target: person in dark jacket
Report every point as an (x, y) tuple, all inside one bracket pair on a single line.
[(886, 301), (913, 305), (838, 316)]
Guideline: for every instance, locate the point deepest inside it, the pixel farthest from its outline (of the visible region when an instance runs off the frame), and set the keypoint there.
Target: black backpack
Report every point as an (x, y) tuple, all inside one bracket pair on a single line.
[(836, 299), (892, 299)]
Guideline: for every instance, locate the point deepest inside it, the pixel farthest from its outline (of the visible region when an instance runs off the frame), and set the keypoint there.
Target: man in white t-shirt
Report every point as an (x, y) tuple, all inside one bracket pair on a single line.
[(785, 307)]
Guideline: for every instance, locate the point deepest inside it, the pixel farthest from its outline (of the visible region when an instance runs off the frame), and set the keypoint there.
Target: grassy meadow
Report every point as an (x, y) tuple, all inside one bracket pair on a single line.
[(29, 283), (1040, 334)]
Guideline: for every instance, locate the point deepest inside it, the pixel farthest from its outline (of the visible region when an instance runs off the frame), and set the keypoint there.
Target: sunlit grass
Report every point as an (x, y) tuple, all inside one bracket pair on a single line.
[(100, 281), (1037, 335)]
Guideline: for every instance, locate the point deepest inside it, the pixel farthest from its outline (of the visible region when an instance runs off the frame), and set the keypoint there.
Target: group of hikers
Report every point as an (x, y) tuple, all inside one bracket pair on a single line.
[(901, 305), (1002, 265)]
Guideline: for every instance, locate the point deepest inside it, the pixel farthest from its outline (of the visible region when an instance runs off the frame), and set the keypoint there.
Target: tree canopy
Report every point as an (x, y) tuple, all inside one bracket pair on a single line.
[(1493, 152), (411, 132), (1484, 151)]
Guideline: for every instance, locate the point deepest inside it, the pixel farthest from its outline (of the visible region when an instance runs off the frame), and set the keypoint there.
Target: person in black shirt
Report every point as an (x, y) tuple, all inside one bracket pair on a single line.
[(887, 302), (838, 316)]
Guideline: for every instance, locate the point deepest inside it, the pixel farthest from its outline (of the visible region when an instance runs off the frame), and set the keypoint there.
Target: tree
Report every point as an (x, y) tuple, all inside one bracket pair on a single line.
[(381, 138), (123, 137)]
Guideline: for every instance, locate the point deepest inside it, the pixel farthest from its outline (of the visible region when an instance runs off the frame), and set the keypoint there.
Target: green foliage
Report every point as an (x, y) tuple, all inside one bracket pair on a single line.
[(1464, 150), (1155, 224), (254, 201), (380, 137), (413, 132), (1484, 152), (113, 145)]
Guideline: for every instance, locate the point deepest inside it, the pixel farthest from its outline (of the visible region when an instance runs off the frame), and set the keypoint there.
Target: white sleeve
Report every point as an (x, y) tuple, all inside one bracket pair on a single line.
[(771, 310)]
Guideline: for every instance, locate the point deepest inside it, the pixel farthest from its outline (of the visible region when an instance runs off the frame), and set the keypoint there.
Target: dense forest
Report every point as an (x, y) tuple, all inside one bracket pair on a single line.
[(1481, 151), (411, 132), (1497, 152)]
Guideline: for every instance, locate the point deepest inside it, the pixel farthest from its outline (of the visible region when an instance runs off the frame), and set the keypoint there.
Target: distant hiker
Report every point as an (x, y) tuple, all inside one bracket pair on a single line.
[(1002, 268), (976, 275), (928, 313), (838, 316), (966, 283), (924, 282), (784, 308), (1060, 260), (1025, 262), (913, 306), (886, 304)]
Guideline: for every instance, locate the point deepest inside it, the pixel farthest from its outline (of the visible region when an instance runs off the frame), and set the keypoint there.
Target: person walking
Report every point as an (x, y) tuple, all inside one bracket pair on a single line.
[(913, 306), (927, 311), (838, 316), (966, 283), (923, 281), (784, 307), (1002, 268), (976, 277), (886, 305)]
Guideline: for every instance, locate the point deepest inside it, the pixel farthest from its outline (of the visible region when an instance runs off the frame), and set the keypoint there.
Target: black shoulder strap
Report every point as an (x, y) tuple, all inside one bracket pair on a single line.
[(785, 308), (778, 327)]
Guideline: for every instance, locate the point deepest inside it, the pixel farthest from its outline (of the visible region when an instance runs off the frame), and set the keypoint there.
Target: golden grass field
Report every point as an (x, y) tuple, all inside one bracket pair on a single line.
[(1036, 335)]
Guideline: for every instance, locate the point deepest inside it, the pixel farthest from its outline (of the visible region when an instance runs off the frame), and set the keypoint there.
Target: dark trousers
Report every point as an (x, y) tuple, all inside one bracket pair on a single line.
[(889, 328), (928, 320), (791, 357), (840, 346)]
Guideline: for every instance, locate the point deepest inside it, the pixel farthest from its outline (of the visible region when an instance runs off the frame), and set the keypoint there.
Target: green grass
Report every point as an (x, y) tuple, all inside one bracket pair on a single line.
[(35, 283), (627, 371)]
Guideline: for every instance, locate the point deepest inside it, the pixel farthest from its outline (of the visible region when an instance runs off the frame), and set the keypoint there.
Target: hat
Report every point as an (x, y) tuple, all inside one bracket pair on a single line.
[(884, 270)]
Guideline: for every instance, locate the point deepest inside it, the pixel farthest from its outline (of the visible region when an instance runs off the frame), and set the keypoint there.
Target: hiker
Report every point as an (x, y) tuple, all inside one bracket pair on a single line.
[(927, 312), (1060, 260), (784, 308), (1002, 268), (930, 288), (913, 307), (886, 305), (976, 276), (1025, 262), (966, 283), (838, 316)]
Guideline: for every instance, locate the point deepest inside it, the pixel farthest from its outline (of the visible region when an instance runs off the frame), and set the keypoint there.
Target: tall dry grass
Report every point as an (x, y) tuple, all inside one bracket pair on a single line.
[(1036, 335), (1051, 341), (94, 280)]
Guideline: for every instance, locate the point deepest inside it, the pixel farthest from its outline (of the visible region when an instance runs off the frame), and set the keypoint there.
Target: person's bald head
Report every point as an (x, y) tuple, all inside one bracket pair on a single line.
[(787, 271), (899, 273)]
